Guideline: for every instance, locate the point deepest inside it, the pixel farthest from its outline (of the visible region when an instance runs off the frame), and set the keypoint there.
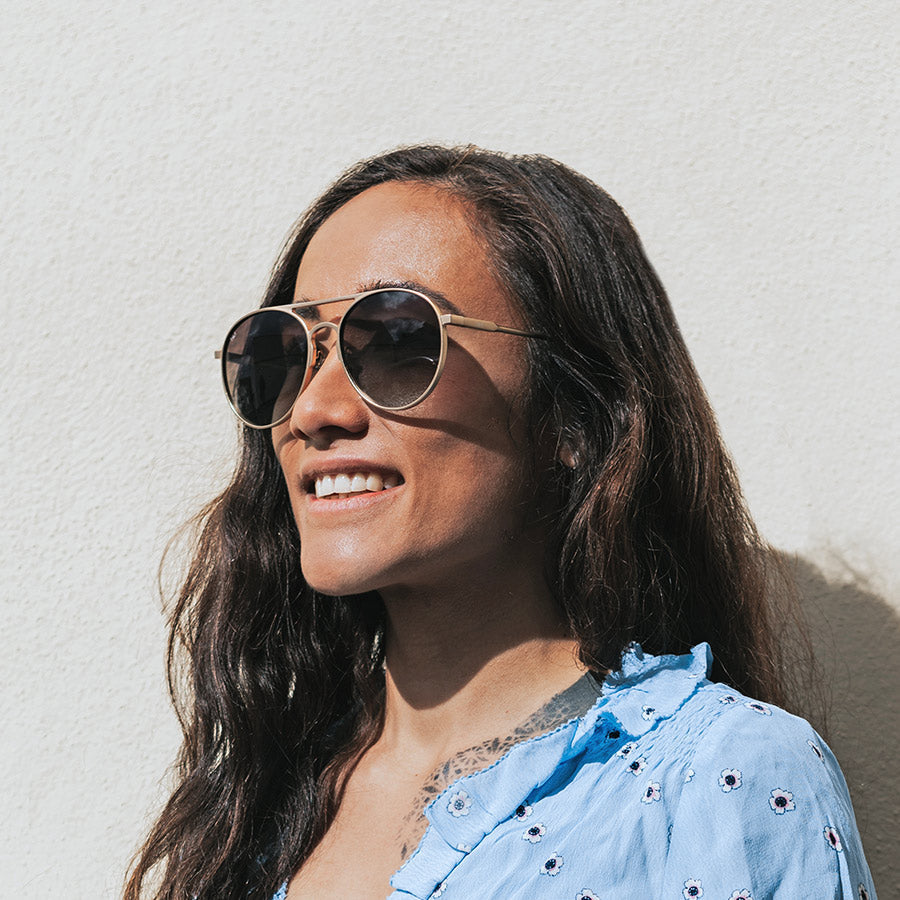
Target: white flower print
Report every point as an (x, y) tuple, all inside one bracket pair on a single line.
[(741, 895), (459, 804), (728, 699), (833, 838), (651, 792), (439, 890), (863, 893), (626, 749), (636, 766), (587, 895), (552, 865), (647, 713), (781, 801), (730, 780), (523, 811), (692, 888), (758, 708), (534, 834), (690, 774), (816, 749)]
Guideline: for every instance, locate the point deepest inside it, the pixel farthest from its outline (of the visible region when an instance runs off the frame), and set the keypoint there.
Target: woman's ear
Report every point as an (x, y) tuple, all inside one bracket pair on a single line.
[(561, 444), (568, 456), (570, 448)]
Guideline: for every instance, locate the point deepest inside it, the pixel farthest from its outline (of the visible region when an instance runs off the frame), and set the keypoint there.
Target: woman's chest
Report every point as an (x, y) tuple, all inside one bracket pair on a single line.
[(374, 832)]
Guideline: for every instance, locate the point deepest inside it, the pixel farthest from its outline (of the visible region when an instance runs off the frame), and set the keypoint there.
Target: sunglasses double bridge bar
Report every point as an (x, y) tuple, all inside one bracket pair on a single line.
[(392, 344)]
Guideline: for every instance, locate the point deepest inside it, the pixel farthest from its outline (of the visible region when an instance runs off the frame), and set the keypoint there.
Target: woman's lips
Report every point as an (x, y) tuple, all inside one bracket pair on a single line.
[(347, 502)]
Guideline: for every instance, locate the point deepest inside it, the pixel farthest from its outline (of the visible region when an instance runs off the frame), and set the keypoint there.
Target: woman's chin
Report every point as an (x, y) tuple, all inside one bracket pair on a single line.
[(339, 581)]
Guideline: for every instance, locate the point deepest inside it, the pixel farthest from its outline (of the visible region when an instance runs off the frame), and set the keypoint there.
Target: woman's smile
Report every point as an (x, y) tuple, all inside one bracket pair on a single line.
[(342, 478), (342, 485), (347, 486)]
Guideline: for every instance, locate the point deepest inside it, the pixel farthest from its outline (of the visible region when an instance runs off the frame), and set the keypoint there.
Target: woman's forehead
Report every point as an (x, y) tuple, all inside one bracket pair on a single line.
[(398, 233)]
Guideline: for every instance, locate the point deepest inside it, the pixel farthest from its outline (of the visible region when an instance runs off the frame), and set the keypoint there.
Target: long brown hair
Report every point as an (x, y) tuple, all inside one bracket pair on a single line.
[(279, 688)]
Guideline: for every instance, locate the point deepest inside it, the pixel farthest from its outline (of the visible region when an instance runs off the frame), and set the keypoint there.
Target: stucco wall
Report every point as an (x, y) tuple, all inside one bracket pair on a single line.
[(154, 156)]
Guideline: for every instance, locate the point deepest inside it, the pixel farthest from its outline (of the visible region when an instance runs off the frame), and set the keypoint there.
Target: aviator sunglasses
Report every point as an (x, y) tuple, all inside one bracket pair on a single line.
[(392, 343)]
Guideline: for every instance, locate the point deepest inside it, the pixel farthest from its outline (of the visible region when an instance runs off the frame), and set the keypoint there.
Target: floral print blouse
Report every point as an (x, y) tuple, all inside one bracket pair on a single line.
[(670, 787)]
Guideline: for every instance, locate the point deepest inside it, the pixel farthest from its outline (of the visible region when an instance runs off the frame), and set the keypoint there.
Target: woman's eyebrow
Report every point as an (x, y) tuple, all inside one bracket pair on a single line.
[(311, 313), (439, 298)]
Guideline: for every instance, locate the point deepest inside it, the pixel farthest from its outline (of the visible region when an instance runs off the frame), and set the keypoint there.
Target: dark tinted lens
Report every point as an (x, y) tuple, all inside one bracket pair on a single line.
[(391, 344), (264, 365)]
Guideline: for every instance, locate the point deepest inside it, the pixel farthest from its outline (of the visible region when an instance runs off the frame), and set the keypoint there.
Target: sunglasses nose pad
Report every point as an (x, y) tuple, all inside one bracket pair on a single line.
[(318, 357), (324, 340)]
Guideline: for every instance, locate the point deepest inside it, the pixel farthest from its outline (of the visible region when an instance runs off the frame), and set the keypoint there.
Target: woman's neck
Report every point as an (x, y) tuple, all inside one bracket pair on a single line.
[(468, 666)]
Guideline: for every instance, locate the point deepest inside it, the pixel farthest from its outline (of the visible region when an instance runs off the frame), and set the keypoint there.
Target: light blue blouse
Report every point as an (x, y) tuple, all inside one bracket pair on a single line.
[(670, 787)]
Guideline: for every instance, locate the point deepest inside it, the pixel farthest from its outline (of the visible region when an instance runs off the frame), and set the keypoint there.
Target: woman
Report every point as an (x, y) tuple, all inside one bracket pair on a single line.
[(481, 518)]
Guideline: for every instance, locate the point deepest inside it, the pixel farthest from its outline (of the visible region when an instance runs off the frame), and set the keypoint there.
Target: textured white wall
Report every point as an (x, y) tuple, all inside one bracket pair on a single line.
[(154, 156)]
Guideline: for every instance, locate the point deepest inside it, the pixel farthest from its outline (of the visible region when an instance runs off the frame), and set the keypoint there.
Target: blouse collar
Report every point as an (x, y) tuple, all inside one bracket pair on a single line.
[(645, 690)]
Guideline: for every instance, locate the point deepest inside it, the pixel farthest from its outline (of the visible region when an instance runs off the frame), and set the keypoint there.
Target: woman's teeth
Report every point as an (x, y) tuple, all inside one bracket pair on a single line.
[(357, 483)]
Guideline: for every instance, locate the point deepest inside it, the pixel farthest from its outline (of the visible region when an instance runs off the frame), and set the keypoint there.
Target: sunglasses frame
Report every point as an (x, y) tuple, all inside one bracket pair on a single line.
[(316, 356)]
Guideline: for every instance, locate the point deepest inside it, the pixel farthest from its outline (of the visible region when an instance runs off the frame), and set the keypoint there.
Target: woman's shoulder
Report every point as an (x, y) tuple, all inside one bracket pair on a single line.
[(765, 799), (696, 731), (738, 745), (754, 797)]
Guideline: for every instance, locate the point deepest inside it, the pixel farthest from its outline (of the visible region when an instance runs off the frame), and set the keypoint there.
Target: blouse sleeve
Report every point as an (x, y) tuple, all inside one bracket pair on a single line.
[(764, 814)]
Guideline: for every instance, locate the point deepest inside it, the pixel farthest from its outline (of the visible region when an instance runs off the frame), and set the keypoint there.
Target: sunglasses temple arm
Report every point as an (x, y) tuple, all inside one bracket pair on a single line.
[(482, 325)]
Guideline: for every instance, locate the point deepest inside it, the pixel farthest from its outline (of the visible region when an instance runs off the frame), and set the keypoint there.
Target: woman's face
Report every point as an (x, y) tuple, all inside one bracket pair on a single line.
[(463, 503)]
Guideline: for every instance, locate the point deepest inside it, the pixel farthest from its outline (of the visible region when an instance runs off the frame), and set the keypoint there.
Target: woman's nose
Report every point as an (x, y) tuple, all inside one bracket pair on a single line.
[(328, 405)]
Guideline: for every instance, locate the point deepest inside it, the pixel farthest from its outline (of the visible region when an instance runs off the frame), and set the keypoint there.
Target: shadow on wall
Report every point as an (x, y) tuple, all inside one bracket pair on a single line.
[(856, 640)]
